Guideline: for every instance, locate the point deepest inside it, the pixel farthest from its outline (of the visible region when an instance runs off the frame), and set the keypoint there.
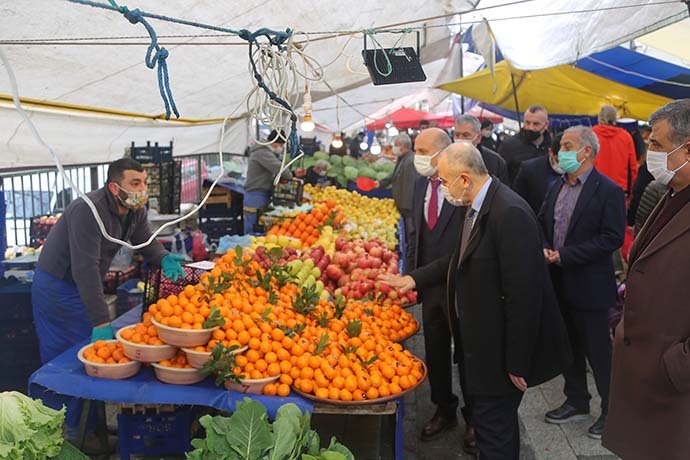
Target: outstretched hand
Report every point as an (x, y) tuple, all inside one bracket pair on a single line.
[(403, 283)]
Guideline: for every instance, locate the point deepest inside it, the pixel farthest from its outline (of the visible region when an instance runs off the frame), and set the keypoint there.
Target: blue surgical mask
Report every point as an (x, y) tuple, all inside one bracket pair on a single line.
[(567, 160)]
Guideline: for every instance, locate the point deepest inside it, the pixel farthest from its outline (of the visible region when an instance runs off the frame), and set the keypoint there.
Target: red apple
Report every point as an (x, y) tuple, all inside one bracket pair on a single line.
[(334, 272), (340, 243)]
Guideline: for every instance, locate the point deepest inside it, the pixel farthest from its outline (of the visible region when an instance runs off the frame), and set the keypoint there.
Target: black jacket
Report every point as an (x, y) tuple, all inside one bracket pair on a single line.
[(533, 180), (510, 321), (401, 179), (586, 278), (449, 222), (644, 178), (495, 164), (515, 150)]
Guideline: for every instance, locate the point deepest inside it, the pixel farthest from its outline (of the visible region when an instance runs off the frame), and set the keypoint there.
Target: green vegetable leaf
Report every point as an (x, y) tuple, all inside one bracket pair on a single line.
[(286, 430), (214, 319), (354, 328), (249, 433), (323, 343), (330, 455), (335, 446)]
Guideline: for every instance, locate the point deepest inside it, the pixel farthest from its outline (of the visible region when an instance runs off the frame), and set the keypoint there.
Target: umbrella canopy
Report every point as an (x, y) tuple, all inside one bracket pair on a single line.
[(562, 89), (403, 118)]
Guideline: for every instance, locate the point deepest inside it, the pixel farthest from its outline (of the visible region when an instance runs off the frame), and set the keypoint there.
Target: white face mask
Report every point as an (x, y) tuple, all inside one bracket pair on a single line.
[(657, 164), (450, 198), (422, 164), (397, 150)]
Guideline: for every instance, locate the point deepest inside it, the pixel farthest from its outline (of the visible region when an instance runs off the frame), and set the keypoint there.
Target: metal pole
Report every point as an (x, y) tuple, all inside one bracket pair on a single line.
[(517, 106), (462, 65)]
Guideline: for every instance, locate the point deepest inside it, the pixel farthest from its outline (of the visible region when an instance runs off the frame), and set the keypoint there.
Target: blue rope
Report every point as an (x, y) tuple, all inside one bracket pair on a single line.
[(155, 54), (276, 38)]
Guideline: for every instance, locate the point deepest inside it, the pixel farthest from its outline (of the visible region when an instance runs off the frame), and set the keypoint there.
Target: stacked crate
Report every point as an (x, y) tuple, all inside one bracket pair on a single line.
[(164, 176)]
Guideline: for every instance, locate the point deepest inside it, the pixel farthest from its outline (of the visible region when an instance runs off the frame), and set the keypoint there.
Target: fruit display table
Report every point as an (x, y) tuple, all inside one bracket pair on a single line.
[(65, 377)]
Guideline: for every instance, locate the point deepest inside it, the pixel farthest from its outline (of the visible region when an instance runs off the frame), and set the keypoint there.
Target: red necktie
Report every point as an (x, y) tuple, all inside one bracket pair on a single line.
[(432, 213)]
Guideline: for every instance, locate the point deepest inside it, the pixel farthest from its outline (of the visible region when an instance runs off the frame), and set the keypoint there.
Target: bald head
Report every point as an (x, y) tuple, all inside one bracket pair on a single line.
[(462, 170), (430, 141)]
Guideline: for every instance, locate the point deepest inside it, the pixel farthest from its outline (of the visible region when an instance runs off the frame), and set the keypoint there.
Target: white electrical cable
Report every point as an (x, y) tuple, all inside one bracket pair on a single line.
[(87, 200)]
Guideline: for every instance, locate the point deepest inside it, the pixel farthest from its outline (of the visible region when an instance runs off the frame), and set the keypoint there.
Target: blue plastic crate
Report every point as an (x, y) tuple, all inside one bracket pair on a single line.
[(127, 300), (158, 434)]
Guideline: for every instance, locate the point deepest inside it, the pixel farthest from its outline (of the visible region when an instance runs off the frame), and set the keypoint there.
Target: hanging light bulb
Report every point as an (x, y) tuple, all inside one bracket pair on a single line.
[(393, 131), (363, 145), (375, 147), (337, 141), (307, 124)]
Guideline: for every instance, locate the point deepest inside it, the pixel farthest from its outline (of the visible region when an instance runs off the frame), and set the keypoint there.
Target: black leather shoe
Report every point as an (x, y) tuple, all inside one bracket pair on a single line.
[(469, 441), (564, 414), (595, 431), (440, 422)]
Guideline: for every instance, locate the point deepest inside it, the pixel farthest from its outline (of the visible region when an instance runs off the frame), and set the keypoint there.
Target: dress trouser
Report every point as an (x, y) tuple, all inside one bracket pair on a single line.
[(590, 340), (496, 423), (253, 202), (61, 322), (437, 346)]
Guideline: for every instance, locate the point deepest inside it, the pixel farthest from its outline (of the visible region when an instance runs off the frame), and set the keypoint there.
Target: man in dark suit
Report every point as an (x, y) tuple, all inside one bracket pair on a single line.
[(537, 175), (583, 221), (502, 305), (531, 142), (435, 230), (468, 129)]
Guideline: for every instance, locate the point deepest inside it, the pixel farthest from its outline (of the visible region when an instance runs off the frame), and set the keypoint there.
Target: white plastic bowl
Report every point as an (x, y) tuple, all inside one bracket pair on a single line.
[(177, 376), (183, 338), (197, 359), (108, 371), (250, 386), (145, 353)]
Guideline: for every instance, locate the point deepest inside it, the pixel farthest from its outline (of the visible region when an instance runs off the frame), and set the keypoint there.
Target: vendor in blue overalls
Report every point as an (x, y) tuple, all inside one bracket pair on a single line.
[(67, 292), (265, 162)]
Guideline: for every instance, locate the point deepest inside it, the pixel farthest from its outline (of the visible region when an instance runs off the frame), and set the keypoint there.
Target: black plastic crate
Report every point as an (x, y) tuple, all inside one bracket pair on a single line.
[(17, 332), (157, 286), (155, 434), (151, 153), (114, 278), (217, 228), (288, 193)]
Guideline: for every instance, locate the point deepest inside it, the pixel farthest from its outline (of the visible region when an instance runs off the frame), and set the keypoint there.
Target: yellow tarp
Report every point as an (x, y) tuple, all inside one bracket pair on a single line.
[(563, 90)]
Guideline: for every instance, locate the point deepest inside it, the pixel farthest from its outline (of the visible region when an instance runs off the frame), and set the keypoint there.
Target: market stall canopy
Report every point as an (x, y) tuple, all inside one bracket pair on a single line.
[(539, 34), (79, 85), (403, 119), (562, 90)]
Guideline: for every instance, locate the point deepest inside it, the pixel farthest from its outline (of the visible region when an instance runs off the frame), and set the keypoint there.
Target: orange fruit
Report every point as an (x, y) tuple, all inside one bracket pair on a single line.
[(270, 389), (283, 390), (273, 369)]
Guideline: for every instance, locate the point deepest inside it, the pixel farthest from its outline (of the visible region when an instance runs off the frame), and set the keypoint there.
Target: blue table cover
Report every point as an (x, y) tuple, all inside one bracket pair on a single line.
[(65, 375)]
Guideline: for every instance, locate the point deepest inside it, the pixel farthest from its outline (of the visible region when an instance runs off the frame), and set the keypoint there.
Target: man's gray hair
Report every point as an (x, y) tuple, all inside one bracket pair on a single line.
[(608, 115), (586, 136), (677, 115), (321, 164), (464, 155), (403, 139), (476, 125)]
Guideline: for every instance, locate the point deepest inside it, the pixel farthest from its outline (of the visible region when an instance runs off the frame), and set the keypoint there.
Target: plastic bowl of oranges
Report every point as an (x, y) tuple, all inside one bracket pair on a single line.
[(198, 356), (251, 386), (177, 371), (141, 343), (106, 359), (183, 338)]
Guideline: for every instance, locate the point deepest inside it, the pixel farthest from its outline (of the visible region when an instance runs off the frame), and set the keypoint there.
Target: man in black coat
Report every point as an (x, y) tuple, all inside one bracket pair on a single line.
[(468, 129), (537, 175), (435, 230), (531, 142), (583, 221), (503, 307)]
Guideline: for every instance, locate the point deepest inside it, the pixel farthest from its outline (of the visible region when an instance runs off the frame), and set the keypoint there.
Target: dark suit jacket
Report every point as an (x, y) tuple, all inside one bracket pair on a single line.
[(449, 222), (495, 164), (514, 150), (586, 278), (533, 180), (510, 321)]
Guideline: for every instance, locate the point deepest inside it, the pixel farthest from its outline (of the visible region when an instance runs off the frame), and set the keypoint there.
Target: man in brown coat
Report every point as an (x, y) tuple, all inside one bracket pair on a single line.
[(649, 409)]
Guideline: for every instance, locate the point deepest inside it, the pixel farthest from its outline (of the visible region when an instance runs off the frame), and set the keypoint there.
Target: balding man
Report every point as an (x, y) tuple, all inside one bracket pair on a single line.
[(469, 129), (502, 303), (436, 225), (531, 142), (583, 222), (617, 159)]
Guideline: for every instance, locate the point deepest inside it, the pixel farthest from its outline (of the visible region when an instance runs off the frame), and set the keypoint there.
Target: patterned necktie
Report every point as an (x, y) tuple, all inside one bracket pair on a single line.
[(432, 213), (466, 230)]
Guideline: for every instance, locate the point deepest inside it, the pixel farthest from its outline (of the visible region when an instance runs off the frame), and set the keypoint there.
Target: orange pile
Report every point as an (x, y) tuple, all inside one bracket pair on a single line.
[(306, 226), (102, 352), (178, 362), (144, 333), (186, 310)]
